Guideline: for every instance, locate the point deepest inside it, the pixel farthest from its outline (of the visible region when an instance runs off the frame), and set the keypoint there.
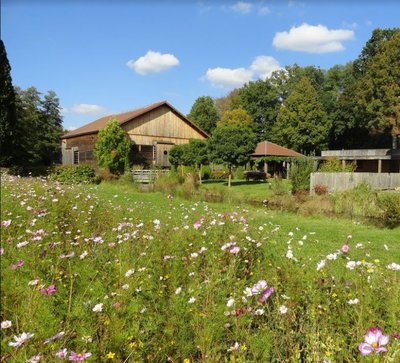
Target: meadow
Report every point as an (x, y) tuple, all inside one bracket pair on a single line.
[(103, 273)]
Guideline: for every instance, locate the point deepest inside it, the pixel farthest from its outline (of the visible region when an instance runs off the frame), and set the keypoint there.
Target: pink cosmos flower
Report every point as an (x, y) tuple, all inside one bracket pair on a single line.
[(374, 341), (345, 248), (51, 290), (266, 294), (5, 223), (198, 223), (79, 357), (62, 353), (234, 250), (20, 263)]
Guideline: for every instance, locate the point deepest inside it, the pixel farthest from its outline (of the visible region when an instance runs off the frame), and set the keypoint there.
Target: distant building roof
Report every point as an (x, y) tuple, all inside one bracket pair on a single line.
[(268, 148), (361, 154), (122, 118)]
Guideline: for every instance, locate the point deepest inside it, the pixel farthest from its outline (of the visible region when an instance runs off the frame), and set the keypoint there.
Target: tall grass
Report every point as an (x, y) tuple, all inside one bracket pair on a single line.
[(154, 278)]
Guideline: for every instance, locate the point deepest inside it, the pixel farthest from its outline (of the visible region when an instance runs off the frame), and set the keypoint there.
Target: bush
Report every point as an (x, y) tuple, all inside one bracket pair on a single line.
[(239, 173), (320, 189), (300, 173), (74, 174), (334, 165), (219, 175), (278, 187), (205, 172), (389, 203)]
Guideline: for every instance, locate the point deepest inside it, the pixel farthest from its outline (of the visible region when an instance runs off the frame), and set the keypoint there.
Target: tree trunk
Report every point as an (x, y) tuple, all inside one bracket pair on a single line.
[(229, 176), (200, 173)]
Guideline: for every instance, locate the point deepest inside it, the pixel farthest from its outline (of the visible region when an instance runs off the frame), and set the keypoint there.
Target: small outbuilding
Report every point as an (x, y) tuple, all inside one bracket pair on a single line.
[(273, 158), (153, 130)]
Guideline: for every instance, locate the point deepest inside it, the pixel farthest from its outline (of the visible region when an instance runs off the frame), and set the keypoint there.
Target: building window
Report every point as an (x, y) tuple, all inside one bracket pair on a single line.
[(76, 157)]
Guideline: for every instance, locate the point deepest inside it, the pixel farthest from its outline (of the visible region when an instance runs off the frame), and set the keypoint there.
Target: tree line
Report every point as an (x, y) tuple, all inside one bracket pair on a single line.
[(30, 122), (356, 105)]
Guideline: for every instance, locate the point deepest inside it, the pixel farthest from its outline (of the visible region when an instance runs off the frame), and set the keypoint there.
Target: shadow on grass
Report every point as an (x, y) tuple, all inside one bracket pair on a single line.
[(234, 182)]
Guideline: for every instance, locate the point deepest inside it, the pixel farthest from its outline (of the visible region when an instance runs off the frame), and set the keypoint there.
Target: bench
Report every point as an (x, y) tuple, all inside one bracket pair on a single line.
[(255, 175)]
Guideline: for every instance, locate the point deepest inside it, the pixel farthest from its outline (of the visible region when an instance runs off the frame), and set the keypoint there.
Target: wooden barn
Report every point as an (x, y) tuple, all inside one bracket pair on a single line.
[(153, 130)]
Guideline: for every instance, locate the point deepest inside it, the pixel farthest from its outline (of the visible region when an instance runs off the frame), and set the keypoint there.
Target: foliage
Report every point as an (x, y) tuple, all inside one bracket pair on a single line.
[(239, 172), (334, 165), (302, 123), (74, 174), (236, 117), (300, 172), (112, 148), (8, 118), (389, 203), (204, 114), (176, 154), (320, 189)]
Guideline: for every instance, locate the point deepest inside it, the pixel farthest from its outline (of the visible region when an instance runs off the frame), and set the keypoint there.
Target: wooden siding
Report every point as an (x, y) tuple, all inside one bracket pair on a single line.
[(162, 125)]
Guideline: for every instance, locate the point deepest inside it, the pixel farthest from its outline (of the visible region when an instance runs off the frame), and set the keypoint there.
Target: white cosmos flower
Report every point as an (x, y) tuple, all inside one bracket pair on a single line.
[(18, 341), (192, 300), (283, 309), (5, 324), (98, 308), (230, 302), (178, 290), (393, 266), (353, 302)]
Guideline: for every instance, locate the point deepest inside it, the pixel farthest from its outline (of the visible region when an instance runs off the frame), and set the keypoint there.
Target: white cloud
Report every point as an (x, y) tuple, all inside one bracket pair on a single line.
[(86, 109), (264, 10), (153, 62), (242, 7), (227, 77), (264, 65), (312, 39), (261, 67)]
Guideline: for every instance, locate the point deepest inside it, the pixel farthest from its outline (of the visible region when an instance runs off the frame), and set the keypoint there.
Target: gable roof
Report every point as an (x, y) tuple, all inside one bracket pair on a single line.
[(95, 126), (268, 148)]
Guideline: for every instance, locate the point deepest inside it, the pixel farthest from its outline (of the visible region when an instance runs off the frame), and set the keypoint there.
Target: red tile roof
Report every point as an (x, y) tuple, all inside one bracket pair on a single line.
[(95, 126), (268, 148)]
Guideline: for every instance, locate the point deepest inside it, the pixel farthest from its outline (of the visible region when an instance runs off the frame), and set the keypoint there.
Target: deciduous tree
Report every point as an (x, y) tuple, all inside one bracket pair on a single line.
[(204, 114)]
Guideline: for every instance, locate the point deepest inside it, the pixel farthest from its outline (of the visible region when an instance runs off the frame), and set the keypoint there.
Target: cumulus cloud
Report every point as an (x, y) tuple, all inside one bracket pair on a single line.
[(86, 109), (312, 39), (261, 67), (264, 65), (242, 7), (153, 62)]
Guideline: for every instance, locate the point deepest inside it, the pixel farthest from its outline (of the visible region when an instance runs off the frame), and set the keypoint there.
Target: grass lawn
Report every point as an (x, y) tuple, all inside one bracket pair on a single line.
[(106, 273)]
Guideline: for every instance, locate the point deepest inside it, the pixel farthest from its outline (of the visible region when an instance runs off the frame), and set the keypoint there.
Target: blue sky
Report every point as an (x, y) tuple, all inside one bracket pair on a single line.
[(104, 57)]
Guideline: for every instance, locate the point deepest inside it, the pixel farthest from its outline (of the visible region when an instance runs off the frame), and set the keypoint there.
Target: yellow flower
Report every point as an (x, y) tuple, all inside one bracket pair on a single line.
[(110, 355), (186, 360)]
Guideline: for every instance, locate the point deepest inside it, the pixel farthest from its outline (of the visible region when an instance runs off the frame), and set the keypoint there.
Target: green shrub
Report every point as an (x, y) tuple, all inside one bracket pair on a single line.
[(389, 203), (334, 165), (205, 172), (168, 183), (278, 187), (74, 174), (300, 173), (239, 173)]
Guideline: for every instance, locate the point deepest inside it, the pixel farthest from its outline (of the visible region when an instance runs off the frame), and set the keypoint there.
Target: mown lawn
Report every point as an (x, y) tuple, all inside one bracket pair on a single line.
[(105, 273)]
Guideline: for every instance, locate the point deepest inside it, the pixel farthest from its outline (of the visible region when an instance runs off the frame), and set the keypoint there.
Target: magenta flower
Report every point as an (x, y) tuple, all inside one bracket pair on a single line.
[(374, 341), (49, 290), (266, 294), (198, 223), (79, 357)]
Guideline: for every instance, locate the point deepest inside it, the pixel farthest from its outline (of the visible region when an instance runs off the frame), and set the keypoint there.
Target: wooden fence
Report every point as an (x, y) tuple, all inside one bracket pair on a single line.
[(147, 176), (344, 181)]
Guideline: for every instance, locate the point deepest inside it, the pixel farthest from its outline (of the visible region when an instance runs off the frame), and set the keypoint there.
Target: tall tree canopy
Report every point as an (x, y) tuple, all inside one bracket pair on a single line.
[(204, 114), (302, 123), (236, 117), (8, 118)]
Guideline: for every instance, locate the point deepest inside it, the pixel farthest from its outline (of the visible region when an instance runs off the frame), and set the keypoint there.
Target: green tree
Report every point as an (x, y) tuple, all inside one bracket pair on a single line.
[(8, 120), (196, 154), (112, 148), (228, 102), (302, 123), (260, 99), (236, 117), (204, 114), (379, 89), (231, 146)]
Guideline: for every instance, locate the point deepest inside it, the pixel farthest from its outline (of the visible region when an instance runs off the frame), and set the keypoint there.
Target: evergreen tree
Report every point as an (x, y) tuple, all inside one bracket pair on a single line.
[(302, 123), (7, 110), (204, 114)]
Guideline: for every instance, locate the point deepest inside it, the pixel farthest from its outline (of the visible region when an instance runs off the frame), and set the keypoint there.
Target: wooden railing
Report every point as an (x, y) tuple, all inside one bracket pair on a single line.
[(147, 176)]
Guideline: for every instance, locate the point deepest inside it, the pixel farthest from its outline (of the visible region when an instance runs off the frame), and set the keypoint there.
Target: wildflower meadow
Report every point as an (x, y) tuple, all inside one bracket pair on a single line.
[(103, 274)]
